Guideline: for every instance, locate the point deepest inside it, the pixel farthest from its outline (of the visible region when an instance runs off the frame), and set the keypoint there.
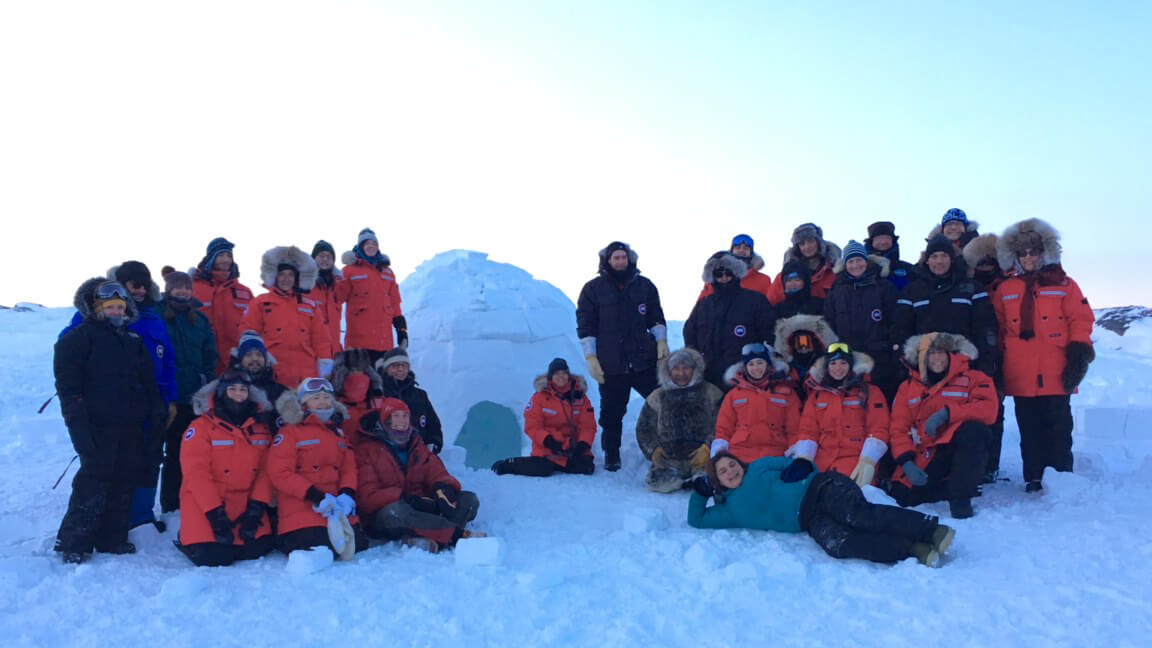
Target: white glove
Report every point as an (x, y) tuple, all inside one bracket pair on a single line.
[(864, 471), (326, 507), (345, 505)]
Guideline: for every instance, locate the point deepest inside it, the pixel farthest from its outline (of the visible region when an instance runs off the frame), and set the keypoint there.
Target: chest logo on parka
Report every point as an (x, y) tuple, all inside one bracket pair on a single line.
[(278, 440), (740, 331), (643, 309), (159, 351), (876, 315)]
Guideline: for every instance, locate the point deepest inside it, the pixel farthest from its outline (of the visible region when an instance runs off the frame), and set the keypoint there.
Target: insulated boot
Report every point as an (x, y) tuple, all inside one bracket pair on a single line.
[(416, 542), (961, 508), (664, 479), (926, 554), (942, 538), (473, 533), (1035, 486), (612, 460), (74, 557)]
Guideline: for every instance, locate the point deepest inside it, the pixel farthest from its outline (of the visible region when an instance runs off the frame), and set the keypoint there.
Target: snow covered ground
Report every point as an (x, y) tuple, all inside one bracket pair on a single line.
[(594, 561)]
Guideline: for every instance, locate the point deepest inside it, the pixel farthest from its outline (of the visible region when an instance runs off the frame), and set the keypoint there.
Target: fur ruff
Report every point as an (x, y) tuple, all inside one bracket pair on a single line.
[(664, 371), (540, 383), (862, 364), (632, 256), (205, 397), (880, 262), (354, 360), (292, 413), (945, 342), (980, 248), (293, 256), (350, 258), (153, 290), (727, 261), (1011, 241), (788, 326), (973, 226), (829, 250), (84, 300), (778, 365)]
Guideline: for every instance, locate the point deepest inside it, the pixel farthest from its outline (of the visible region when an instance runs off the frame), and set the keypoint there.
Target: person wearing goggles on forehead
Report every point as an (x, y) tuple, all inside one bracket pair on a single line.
[(1045, 331), (109, 399), (742, 248), (844, 426), (723, 322), (313, 472), (760, 416)]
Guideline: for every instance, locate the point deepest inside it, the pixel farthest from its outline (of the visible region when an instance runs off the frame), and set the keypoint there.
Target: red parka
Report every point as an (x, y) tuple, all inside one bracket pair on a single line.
[(758, 421), (308, 452), (968, 394), (222, 465), (325, 297), (566, 416), (293, 332), (224, 301), (841, 424), (373, 299)]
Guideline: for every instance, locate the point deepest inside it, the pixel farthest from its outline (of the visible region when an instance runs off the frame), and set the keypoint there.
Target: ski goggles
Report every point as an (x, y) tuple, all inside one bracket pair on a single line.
[(755, 348), (742, 239), (111, 290), (312, 386), (839, 347), (803, 343)]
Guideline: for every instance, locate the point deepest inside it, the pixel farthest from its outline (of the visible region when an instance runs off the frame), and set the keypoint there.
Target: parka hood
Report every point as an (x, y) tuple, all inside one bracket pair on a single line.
[(882, 265), (829, 250), (85, 301), (1025, 234), (664, 369), (862, 365), (289, 255), (205, 397), (735, 372), (354, 360), (727, 261), (980, 248), (917, 347), (788, 327), (578, 383), (291, 411)]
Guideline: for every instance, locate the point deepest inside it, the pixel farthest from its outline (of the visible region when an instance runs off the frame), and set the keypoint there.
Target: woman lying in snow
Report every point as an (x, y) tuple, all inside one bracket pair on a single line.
[(781, 494)]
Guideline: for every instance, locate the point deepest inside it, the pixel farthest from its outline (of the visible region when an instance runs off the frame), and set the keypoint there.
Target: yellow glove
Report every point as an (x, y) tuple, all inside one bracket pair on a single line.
[(864, 471), (658, 457), (700, 458), (661, 349), (594, 368), (171, 415)]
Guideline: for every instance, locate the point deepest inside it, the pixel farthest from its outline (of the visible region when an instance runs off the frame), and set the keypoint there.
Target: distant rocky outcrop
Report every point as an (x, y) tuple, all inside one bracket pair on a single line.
[(1117, 319)]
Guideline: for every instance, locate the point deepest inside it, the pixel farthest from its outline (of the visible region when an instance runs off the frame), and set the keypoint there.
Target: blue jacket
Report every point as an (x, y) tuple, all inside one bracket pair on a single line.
[(761, 501), (151, 329)]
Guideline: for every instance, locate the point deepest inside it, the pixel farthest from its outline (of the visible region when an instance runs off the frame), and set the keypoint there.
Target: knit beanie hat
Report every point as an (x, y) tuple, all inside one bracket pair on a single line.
[(176, 279), (940, 243), (395, 355), (323, 246), (881, 228), (366, 234), (954, 214), (855, 249), (251, 341), (390, 405), (215, 247), (557, 364)]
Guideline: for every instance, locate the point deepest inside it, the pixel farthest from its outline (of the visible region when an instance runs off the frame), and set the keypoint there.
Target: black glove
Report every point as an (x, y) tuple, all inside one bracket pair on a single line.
[(314, 495), (701, 486), (797, 470), (401, 326), (1078, 355), (552, 444), (221, 525), (447, 498), (249, 521), (578, 449), (422, 504)]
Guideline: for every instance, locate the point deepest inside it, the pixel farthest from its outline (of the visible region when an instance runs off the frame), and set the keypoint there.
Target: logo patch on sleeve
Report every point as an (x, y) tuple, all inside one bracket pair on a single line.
[(189, 434), (278, 440)]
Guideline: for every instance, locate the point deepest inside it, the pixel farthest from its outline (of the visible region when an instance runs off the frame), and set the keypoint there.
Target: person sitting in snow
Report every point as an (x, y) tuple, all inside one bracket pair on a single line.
[(562, 425), (677, 422), (358, 386), (312, 469), (771, 494), (225, 492), (940, 424), (251, 356), (760, 415), (405, 491), (398, 381)]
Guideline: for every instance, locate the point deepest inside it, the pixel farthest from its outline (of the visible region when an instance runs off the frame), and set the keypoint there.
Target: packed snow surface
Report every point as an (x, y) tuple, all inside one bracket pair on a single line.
[(592, 561)]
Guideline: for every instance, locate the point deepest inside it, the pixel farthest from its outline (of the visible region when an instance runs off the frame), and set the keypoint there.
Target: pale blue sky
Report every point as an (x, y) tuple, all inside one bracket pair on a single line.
[(540, 131)]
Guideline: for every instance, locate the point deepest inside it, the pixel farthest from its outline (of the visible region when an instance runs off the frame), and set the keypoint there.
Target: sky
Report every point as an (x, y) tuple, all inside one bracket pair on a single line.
[(540, 131)]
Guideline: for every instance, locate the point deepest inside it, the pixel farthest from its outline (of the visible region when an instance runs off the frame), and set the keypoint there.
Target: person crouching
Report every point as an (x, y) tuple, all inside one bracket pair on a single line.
[(405, 491)]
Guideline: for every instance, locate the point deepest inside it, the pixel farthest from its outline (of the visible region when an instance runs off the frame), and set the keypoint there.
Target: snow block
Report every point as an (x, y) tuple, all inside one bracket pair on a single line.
[(183, 588), (479, 551), (645, 519), (309, 561)]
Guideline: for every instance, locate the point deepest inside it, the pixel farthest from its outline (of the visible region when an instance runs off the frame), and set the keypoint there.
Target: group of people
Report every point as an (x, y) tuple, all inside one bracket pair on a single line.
[(848, 368)]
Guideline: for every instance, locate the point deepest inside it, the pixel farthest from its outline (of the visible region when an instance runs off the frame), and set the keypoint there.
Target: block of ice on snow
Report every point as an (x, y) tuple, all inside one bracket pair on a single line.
[(309, 561), (644, 519), (877, 496), (479, 551)]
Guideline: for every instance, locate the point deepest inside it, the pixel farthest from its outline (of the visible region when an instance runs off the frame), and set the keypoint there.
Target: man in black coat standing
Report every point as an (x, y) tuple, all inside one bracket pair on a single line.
[(622, 330), (398, 381), (109, 398)]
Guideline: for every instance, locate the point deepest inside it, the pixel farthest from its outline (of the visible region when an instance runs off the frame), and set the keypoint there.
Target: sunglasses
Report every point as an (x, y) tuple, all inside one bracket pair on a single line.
[(755, 347), (839, 347), (110, 289), (716, 274), (1028, 252)]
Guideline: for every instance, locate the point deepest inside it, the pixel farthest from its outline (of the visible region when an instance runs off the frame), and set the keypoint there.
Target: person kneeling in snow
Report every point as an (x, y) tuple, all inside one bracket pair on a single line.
[(225, 490), (562, 425), (781, 494), (405, 491), (313, 470), (677, 422), (940, 424)]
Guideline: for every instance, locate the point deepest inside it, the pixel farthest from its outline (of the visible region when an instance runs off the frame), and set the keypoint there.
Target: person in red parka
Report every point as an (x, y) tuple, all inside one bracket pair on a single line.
[(562, 425), (290, 325), (325, 296), (372, 296), (809, 246), (225, 491), (223, 299), (405, 491), (742, 248), (359, 387), (844, 426), (1046, 333), (940, 418), (760, 415), (312, 468)]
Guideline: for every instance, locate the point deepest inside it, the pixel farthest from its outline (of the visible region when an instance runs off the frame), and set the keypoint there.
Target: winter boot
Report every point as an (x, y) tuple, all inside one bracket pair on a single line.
[(1035, 486), (664, 479), (74, 557), (416, 542), (961, 508), (942, 538), (926, 554), (612, 460), (119, 549)]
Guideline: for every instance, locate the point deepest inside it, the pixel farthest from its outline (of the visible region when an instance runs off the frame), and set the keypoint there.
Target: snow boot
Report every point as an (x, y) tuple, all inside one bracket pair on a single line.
[(74, 557), (1035, 486), (119, 549), (961, 508), (664, 479), (416, 542), (473, 533), (612, 460), (942, 538), (926, 554)]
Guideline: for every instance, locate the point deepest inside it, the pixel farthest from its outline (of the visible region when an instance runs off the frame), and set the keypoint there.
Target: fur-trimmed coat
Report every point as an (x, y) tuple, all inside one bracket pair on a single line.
[(860, 310), (790, 326), (619, 317), (566, 416), (758, 420), (678, 419), (372, 302), (753, 280), (968, 395), (1034, 365)]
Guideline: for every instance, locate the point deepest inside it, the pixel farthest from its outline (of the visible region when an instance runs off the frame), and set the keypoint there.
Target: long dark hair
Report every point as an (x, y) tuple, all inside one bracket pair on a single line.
[(713, 479)]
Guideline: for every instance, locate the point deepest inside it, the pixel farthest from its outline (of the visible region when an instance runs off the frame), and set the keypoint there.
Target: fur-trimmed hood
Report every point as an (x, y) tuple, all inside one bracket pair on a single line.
[(779, 366), (664, 369), (350, 258), (85, 298), (914, 355), (289, 255), (829, 250), (355, 360), (153, 290), (972, 229), (754, 263), (862, 365), (980, 248), (540, 383), (204, 398), (292, 413), (882, 264), (724, 260), (788, 327), (1028, 233)]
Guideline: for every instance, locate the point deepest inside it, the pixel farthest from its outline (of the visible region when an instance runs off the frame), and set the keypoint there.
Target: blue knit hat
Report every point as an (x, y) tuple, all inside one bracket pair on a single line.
[(250, 341), (954, 214), (215, 247), (855, 249)]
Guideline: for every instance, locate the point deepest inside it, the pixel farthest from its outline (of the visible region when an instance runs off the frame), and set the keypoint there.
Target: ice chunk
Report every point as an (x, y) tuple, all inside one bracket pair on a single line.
[(479, 551), (309, 561), (645, 519)]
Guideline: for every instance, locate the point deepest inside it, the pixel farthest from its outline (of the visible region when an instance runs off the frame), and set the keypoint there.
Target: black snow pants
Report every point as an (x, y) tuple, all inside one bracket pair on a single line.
[(1045, 434), (955, 472), (100, 506), (614, 395), (543, 467), (400, 519), (214, 554), (170, 476)]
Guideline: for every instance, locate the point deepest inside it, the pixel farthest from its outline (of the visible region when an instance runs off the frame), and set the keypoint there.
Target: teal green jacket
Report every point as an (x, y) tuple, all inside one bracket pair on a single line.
[(194, 346), (761, 501)]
